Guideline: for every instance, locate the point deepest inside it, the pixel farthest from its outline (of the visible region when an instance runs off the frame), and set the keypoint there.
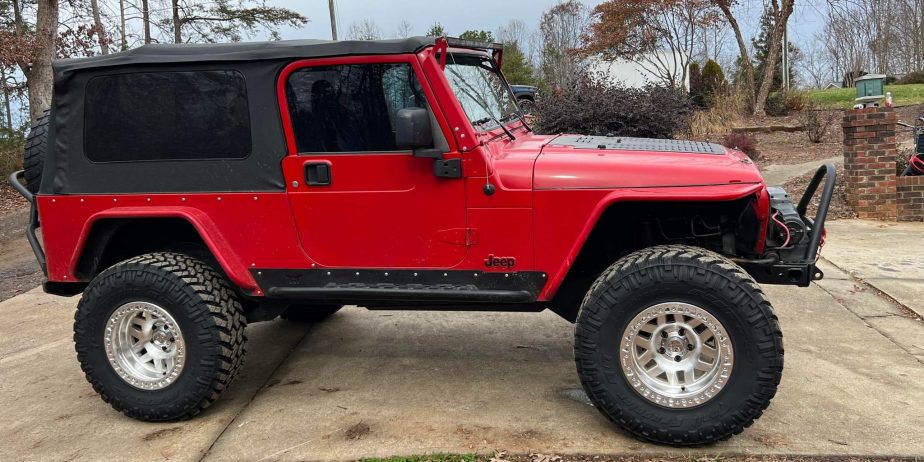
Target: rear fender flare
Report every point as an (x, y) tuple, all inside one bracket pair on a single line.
[(229, 261)]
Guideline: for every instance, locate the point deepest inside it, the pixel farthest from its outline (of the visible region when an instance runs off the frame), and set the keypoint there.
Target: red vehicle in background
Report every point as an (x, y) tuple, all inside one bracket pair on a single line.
[(186, 190)]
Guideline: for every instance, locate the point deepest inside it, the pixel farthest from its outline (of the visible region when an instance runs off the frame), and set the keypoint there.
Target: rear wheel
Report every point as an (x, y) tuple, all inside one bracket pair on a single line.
[(159, 336), (309, 313), (678, 345), (34, 156)]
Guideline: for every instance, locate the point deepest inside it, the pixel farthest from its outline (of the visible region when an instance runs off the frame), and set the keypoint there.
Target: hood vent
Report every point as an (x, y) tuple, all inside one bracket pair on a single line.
[(637, 144)]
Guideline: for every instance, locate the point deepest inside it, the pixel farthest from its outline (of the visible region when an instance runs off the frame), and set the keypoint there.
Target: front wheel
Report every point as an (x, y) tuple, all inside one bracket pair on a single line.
[(678, 345)]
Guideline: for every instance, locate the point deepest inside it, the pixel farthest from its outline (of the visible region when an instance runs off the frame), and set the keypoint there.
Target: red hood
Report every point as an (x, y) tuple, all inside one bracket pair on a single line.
[(585, 162)]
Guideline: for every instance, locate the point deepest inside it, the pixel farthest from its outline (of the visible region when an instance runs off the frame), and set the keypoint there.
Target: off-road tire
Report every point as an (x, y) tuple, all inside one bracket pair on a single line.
[(309, 313), (34, 156), (206, 310), (677, 273)]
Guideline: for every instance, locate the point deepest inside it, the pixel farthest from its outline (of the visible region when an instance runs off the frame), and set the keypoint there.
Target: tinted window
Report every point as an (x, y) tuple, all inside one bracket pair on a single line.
[(350, 108), (167, 116)]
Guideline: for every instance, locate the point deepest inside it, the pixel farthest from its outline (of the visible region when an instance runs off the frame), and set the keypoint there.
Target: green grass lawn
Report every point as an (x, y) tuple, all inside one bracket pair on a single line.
[(842, 98)]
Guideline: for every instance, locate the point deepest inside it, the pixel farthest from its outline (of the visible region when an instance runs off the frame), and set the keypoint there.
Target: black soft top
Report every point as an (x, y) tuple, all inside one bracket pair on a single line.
[(242, 51)]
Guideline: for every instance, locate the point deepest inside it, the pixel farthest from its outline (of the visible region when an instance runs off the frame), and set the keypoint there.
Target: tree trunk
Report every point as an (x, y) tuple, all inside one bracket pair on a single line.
[(745, 57), (176, 22), (146, 20), (98, 24), (39, 75), (122, 30), (7, 109), (782, 17)]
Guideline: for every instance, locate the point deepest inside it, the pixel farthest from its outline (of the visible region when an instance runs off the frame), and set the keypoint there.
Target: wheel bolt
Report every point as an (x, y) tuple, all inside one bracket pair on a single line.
[(664, 333), (680, 331), (677, 358), (690, 346), (661, 350)]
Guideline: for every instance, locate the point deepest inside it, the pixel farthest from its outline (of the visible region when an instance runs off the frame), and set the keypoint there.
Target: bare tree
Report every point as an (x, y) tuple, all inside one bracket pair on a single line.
[(560, 31), (405, 29), (659, 36), (366, 29), (781, 12), (101, 37), (32, 50), (226, 20)]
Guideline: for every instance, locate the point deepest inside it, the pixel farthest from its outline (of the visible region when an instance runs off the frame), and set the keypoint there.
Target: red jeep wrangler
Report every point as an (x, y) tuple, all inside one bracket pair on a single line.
[(186, 190)]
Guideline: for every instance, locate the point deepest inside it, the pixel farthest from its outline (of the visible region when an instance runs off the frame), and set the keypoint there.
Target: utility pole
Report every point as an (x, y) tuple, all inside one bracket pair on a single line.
[(785, 57), (333, 19)]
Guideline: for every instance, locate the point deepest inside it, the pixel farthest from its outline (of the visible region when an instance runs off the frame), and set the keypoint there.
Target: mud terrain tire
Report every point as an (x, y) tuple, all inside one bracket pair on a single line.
[(669, 277), (205, 311), (309, 313), (34, 156)]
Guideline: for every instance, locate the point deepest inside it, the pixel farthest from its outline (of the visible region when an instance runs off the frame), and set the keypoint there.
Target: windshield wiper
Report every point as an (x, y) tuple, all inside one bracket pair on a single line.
[(480, 104)]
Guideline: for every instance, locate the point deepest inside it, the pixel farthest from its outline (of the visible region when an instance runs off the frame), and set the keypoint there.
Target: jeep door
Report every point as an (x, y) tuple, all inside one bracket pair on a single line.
[(358, 200)]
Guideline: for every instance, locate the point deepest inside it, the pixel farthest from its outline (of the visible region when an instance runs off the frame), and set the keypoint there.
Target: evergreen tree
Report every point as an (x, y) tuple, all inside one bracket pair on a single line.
[(436, 30), (696, 85), (517, 69), (477, 36), (712, 81)]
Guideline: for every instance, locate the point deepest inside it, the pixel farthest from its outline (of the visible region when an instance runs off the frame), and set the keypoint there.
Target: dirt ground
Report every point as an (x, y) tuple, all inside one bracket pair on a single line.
[(838, 210), (19, 271)]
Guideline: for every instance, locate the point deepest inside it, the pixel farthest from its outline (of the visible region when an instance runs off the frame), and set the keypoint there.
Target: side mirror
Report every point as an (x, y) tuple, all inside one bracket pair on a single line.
[(413, 129)]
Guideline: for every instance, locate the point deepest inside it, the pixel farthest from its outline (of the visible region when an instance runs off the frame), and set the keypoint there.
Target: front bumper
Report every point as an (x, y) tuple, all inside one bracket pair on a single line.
[(798, 268)]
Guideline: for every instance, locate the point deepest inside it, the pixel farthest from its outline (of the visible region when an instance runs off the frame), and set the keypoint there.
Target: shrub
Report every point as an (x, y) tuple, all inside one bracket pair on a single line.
[(743, 142), (729, 110), (598, 107), (696, 85), (816, 122), (713, 83), (781, 103), (916, 77), (10, 155), (797, 100), (776, 104)]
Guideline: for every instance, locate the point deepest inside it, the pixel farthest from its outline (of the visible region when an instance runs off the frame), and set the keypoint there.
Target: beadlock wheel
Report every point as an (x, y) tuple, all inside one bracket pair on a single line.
[(160, 336), (678, 345), (145, 346), (676, 355)]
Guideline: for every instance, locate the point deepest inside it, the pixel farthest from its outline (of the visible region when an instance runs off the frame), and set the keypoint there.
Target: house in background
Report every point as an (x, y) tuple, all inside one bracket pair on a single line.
[(645, 70)]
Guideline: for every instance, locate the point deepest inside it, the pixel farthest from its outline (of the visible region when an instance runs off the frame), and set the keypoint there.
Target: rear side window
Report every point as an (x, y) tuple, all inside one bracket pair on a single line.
[(167, 116), (350, 108)]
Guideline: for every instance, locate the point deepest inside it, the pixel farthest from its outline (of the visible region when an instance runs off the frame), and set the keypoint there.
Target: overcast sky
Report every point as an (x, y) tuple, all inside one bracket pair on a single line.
[(460, 15)]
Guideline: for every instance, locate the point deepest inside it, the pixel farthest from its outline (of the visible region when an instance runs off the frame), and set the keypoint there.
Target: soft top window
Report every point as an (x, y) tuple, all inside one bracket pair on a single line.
[(146, 116), (350, 108)]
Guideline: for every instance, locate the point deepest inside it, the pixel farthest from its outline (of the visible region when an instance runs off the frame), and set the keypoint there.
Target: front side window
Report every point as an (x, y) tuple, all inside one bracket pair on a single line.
[(144, 116), (351, 107), (480, 89)]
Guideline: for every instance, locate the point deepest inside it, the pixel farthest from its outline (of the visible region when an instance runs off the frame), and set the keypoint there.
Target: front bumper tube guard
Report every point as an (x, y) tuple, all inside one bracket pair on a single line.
[(801, 271), (33, 220)]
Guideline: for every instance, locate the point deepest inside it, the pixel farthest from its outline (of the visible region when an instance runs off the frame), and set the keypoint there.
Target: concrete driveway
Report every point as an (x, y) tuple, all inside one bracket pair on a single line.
[(379, 383)]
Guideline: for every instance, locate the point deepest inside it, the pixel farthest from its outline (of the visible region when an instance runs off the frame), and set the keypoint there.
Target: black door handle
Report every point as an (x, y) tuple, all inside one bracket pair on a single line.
[(317, 174)]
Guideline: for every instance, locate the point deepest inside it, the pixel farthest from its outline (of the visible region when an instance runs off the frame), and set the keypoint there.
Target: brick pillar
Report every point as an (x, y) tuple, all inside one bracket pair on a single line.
[(869, 162)]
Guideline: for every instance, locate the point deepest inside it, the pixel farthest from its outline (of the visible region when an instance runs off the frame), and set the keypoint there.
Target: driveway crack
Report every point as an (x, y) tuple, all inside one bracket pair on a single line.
[(262, 387)]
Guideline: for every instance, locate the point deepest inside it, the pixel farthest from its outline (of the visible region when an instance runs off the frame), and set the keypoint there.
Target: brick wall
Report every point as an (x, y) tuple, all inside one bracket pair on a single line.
[(869, 162), (910, 198)]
